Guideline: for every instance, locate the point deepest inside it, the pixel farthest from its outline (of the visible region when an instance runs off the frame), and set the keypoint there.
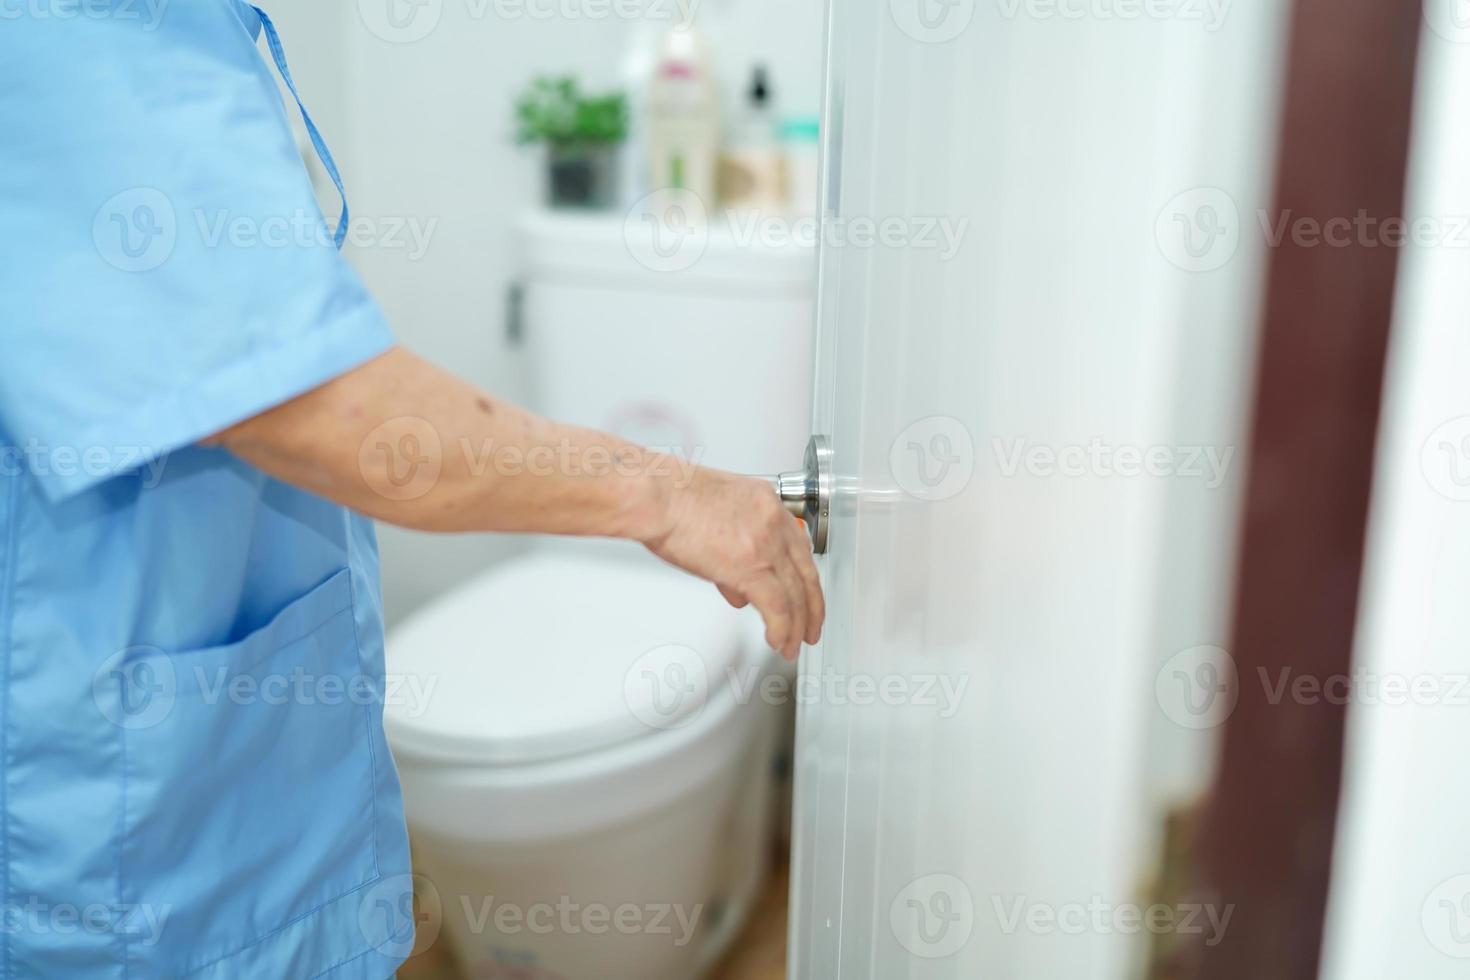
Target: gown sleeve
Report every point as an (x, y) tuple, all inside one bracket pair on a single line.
[(165, 270)]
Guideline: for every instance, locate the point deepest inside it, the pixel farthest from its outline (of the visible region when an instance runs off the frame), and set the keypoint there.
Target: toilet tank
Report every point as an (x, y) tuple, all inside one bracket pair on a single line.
[(707, 353)]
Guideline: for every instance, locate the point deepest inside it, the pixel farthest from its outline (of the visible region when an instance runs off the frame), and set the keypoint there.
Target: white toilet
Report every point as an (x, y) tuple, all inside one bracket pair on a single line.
[(588, 779)]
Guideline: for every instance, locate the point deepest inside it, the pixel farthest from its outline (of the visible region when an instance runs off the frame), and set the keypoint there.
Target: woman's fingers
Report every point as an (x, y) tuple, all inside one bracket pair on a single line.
[(734, 597), (772, 601), (796, 599), (816, 604), (800, 604)]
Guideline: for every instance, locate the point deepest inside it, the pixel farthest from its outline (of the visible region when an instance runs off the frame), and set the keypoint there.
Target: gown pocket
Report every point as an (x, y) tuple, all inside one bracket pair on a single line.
[(249, 800)]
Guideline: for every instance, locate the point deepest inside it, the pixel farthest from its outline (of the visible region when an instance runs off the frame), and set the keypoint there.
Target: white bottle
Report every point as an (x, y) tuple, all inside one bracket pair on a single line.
[(684, 117), (801, 137), (753, 174), (636, 74)]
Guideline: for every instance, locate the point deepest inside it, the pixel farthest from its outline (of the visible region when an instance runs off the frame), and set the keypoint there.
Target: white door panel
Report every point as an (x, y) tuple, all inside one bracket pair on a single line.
[(984, 746)]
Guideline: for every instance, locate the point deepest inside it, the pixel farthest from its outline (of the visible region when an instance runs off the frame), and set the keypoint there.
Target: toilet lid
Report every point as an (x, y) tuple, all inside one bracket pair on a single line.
[(555, 655)]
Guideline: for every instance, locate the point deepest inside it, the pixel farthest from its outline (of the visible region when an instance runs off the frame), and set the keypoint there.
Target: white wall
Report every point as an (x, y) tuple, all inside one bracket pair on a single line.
[(422, 130), (1401, 879)]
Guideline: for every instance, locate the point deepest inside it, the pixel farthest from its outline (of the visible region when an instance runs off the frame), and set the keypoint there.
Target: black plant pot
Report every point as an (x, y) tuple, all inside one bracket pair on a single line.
[(581, 177)]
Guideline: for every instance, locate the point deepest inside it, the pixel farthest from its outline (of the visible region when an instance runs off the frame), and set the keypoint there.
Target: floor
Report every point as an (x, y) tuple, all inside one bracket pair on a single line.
[(758, 954)]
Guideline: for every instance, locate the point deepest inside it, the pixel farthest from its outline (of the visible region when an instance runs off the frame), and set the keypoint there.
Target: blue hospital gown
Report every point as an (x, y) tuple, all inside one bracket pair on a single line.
[(194, 779)]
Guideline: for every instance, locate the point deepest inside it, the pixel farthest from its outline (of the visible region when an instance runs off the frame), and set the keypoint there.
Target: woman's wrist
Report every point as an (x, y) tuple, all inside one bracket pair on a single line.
[(649, 497)]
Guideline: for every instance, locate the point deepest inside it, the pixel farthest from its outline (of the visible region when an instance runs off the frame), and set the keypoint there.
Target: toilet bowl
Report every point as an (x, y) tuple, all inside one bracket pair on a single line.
[(584, 757), (584, 751)]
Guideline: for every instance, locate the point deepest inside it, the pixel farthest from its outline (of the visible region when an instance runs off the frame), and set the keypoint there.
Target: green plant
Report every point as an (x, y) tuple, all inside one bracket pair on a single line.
[(553, 110)]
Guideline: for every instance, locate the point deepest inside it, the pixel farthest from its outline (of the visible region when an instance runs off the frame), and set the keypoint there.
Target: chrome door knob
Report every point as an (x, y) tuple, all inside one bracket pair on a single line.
[(807, 493)]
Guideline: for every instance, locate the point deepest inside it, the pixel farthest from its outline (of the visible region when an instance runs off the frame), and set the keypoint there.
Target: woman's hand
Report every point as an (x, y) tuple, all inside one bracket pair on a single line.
[(733, 531)]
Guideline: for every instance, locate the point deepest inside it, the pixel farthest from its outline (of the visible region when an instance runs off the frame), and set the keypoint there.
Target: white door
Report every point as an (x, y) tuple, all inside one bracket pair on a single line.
[(1038, 283)]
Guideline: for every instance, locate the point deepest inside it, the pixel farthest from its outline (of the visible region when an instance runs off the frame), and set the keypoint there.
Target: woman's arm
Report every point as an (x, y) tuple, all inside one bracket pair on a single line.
[(405, 442)]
